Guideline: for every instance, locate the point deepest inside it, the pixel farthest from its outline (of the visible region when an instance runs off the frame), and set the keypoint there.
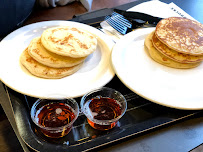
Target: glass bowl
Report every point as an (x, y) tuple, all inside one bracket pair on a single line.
[(54, 117), (103, 107)]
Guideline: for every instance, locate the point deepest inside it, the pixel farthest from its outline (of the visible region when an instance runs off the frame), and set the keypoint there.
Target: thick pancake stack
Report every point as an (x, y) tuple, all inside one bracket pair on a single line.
[(59, 52), (176, 42)]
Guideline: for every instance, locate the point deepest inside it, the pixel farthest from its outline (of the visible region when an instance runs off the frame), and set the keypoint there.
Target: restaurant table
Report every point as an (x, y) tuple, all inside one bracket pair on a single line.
[(181, 136)]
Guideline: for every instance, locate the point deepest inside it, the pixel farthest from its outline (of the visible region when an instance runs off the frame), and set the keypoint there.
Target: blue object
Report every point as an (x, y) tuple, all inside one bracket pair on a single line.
[(13, 13)]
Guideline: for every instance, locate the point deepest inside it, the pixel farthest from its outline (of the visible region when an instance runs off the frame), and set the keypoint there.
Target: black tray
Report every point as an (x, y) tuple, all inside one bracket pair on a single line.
[(141, 116)]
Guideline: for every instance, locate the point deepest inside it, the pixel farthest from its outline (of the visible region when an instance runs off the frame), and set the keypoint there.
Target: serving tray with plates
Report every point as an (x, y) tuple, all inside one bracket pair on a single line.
[(142, 115)]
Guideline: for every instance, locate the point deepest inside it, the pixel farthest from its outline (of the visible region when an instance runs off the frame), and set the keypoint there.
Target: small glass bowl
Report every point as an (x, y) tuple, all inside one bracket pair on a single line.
[(103, 108), (54, 117)]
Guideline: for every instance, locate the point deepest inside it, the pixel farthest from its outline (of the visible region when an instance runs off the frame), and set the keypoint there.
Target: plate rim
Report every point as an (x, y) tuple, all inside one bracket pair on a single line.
[(107, 77), (126, 83)]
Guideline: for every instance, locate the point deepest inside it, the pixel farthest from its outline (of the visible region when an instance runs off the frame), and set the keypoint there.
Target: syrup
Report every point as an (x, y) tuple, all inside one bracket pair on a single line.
[(103, 109), (56, 116)]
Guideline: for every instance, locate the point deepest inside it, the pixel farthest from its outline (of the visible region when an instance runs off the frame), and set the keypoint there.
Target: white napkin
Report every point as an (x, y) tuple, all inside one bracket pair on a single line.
[(154, 8), (160, 9), (53, 3)]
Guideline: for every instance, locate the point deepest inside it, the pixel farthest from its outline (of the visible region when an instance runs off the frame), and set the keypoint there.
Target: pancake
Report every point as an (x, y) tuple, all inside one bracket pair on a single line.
[(44, 71), (162, 59), (181, 34), (174, 55), (69, 41), (42, 55)]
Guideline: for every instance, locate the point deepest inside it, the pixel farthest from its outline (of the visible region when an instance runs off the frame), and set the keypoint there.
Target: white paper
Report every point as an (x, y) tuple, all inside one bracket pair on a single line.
[(179, 11), (160, 9)]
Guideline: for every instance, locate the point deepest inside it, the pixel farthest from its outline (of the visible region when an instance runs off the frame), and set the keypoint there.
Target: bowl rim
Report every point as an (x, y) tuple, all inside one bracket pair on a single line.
[(103, 122), (38, 101)]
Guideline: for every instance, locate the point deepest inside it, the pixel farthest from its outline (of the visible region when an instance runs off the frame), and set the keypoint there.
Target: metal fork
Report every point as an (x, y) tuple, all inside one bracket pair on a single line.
[(124, 25), (120, 24)]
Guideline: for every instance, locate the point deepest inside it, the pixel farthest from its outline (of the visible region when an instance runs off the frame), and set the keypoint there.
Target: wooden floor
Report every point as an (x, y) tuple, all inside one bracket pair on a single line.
[(8, 139)]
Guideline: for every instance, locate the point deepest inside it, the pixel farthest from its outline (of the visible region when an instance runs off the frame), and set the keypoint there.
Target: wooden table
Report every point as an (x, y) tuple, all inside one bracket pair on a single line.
[(178, 137), (194, 8), (68, 11)]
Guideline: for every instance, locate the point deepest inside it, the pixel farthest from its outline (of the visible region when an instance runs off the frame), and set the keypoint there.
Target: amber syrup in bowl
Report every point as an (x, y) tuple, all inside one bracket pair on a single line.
[(103, 108), (54, 117)]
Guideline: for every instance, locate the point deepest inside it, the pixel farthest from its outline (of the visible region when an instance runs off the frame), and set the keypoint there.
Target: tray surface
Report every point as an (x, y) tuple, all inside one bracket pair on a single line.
[(141, 116)]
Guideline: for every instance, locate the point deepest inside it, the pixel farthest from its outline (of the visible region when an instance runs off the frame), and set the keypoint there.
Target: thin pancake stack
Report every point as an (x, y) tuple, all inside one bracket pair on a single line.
[(177, 42), (59, 52)]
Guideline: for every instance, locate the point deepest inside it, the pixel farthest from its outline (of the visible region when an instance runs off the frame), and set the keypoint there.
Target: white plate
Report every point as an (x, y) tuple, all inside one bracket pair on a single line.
[(96, 71), (176, 88)]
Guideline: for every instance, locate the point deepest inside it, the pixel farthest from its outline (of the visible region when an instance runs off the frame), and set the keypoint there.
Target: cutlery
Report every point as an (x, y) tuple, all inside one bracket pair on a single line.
[(124, 25), (138, 15)]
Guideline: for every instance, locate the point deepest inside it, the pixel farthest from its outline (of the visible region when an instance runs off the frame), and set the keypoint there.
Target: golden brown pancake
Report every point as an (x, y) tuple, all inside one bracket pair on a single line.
[(174, 55), (42, 55), (181, 34), (69, 41), (44, 71), (162, 59)]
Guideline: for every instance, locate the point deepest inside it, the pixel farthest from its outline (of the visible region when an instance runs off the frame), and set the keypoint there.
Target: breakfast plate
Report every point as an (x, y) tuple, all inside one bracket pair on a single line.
[(95, 72), (176, 88)]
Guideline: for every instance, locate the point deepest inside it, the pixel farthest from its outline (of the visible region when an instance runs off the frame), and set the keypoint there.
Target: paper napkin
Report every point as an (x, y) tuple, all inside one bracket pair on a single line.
[(160, 9)]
